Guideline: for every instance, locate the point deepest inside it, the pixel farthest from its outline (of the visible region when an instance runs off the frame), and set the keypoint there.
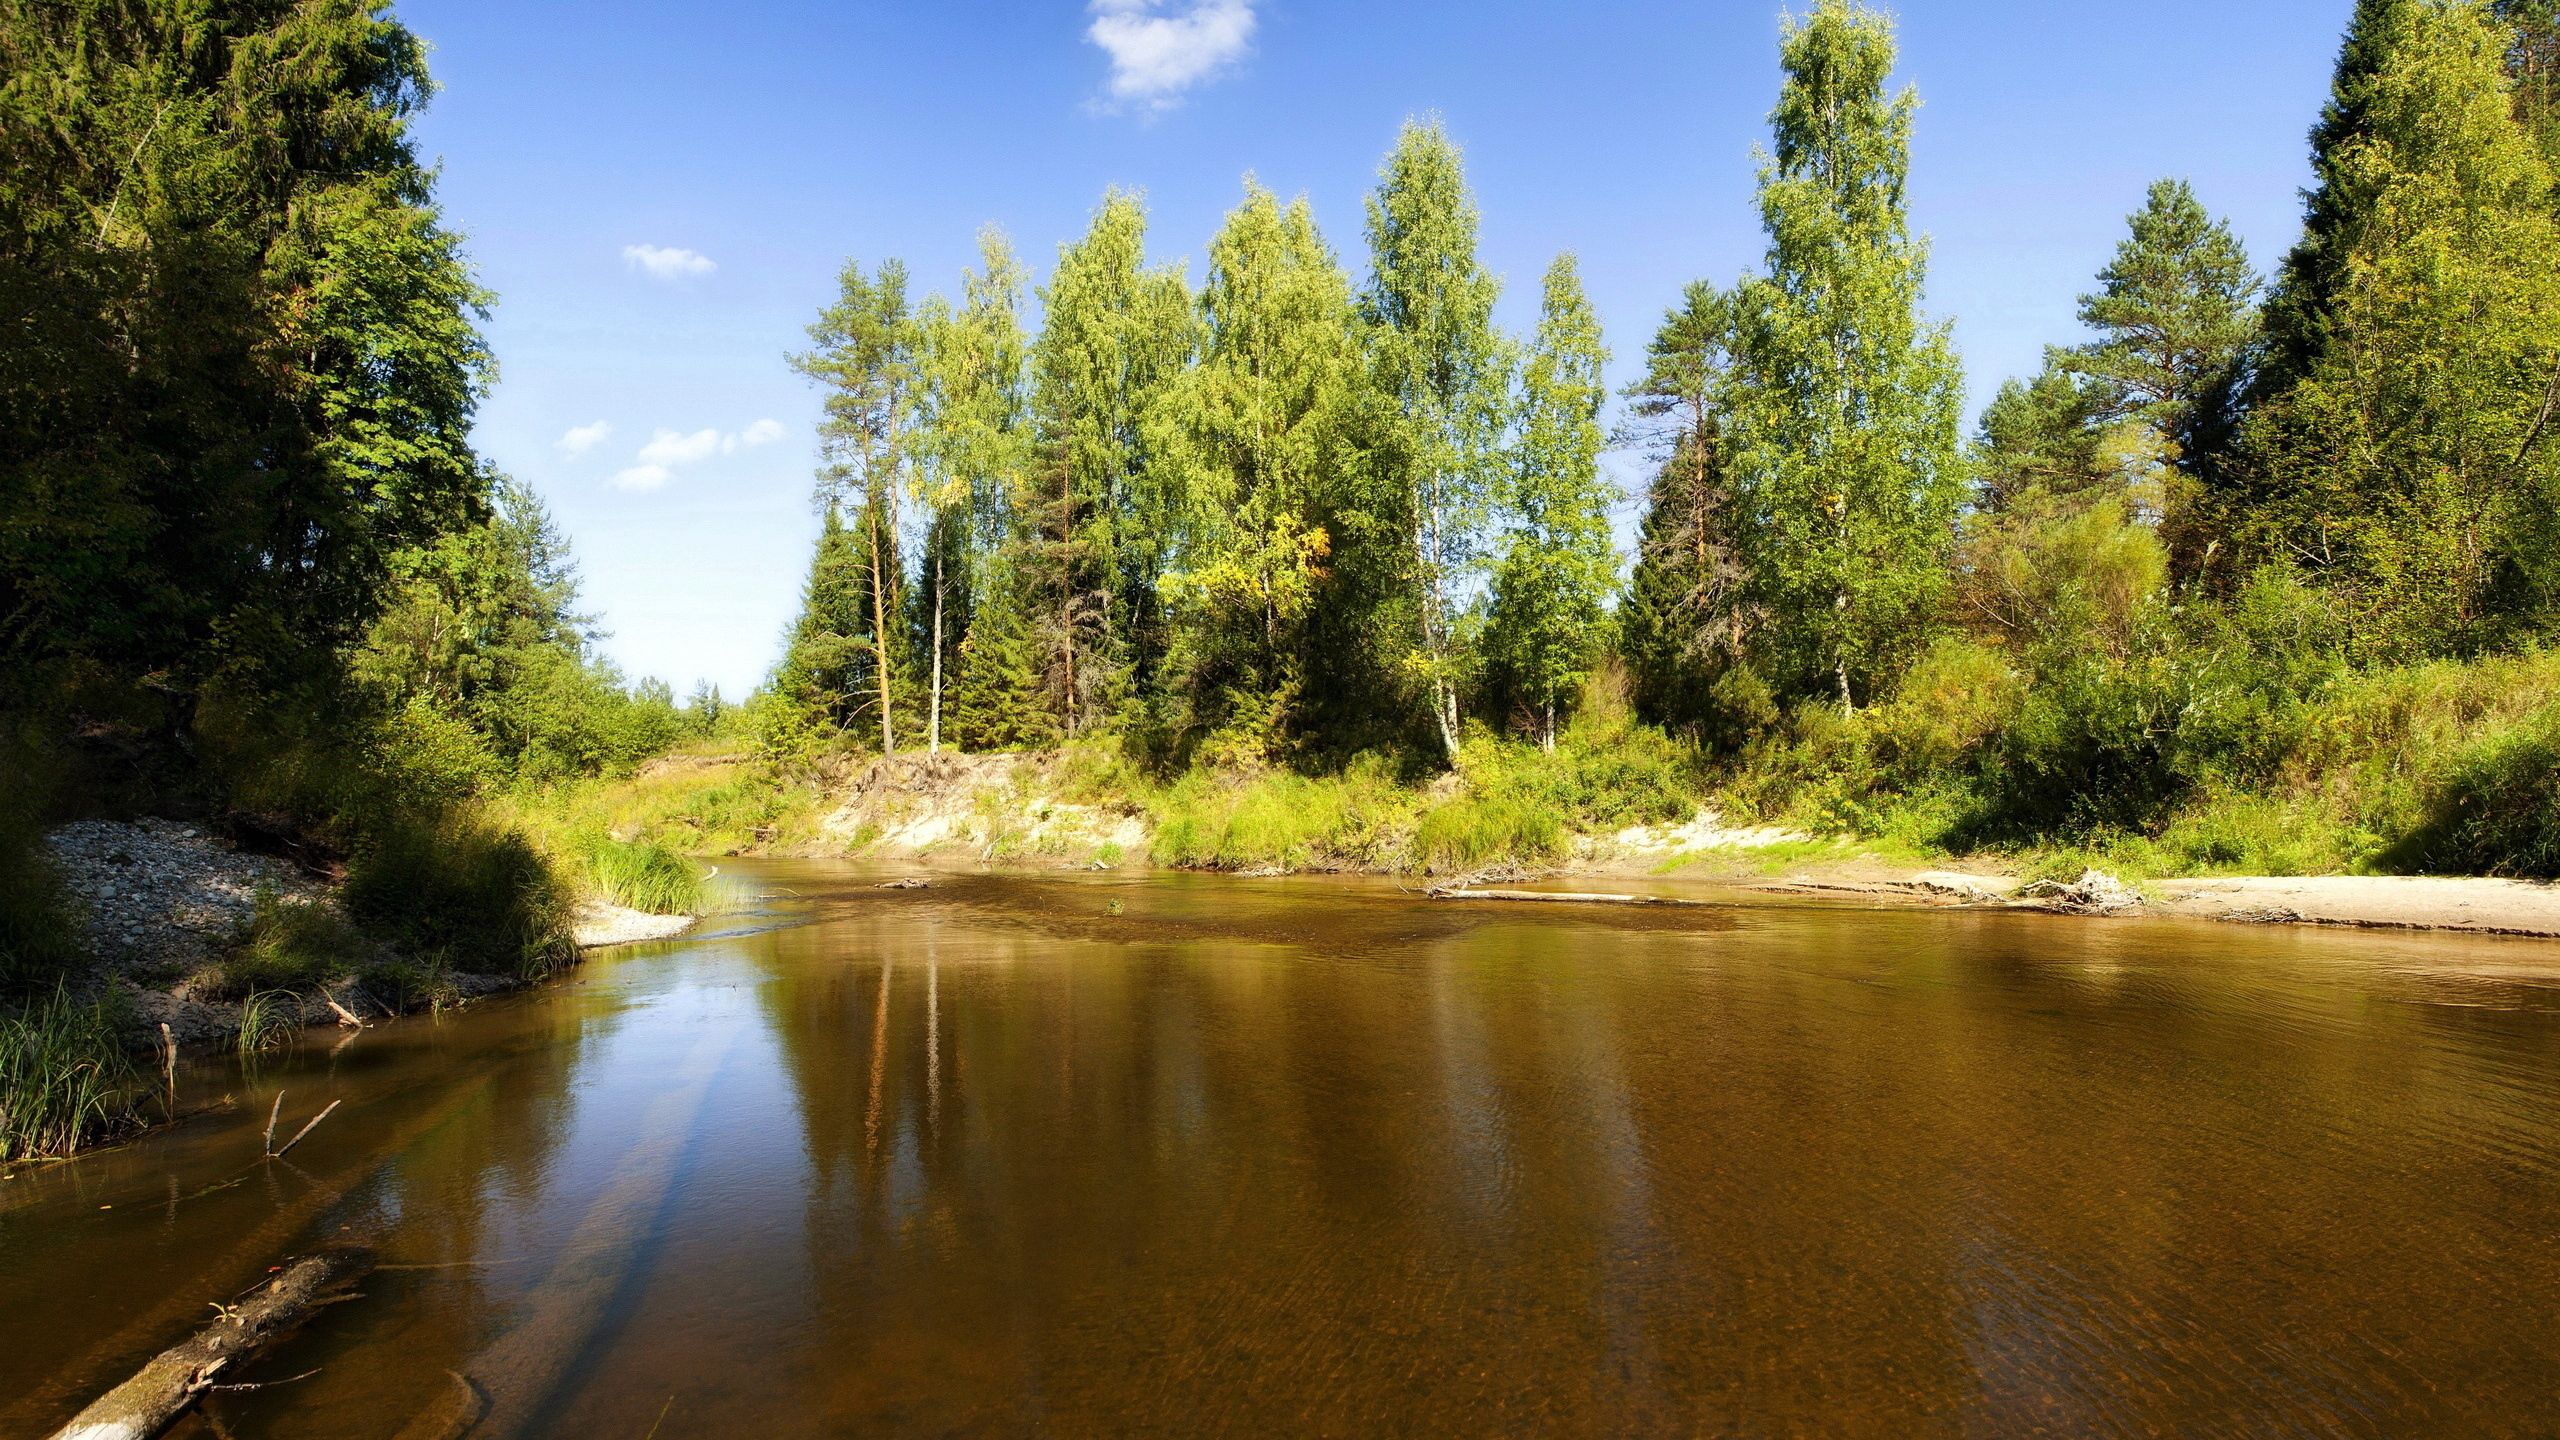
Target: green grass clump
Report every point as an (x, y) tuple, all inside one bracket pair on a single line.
[(269, 1019), (644, 875), (1473, 832), (289, 945), (480, 895), (65, 1079)]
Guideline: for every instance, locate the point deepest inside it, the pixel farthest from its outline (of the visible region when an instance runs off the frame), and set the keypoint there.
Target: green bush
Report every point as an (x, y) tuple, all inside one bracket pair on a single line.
[(483, 897), (2495, 810)]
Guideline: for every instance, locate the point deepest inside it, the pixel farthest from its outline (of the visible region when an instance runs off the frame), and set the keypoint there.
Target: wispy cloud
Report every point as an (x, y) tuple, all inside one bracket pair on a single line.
[(1159, 49), (666, 262), (763, 432), (669, 451), (579, 439)]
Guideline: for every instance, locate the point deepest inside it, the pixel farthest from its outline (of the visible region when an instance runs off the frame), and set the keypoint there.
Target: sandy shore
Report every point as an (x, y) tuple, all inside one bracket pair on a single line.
[(600, 923)]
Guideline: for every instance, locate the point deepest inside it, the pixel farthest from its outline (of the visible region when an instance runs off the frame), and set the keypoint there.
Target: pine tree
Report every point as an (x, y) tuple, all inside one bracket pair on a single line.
[(2533, 63), (1114, 335), (2175, 314), (863, 353), (2413, 462), (1684, 619), (2038, 437), (1848, 402), (1441, 374), (1552, 582), (1254, 430)]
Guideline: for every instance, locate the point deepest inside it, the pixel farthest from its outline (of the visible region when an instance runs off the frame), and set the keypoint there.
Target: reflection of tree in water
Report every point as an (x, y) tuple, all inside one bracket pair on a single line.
[(449, 1214)]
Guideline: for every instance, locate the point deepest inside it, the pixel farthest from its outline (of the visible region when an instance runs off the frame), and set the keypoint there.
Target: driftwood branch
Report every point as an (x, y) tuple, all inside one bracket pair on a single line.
[(311, 1125), (144, 1405), (1553, 897)]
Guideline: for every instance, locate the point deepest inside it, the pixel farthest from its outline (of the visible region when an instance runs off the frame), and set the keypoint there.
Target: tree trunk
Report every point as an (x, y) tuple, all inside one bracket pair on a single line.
[(1547, 740), (880, 638), (144, 1405), (933, 720)]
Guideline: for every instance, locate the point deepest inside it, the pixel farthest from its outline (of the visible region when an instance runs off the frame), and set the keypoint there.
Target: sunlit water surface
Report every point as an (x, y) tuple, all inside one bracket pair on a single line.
[(1314, 1157)]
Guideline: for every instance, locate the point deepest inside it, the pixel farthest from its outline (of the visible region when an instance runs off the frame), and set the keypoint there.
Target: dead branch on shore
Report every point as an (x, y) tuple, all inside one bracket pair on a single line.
[(1558, 897), (162, 1390)]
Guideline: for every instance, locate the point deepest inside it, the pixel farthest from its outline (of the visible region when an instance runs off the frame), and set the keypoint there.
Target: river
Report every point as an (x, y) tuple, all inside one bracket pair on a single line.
[(1108, 1155)]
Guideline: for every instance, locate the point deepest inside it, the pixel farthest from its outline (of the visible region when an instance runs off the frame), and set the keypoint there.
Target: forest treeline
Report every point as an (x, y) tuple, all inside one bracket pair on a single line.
[(2258, 572), (1290, 518)]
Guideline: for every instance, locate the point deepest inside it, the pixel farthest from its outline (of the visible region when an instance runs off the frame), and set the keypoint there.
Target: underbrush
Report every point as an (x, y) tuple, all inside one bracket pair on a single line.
[(65, 1079), (288, 945), (476, 894)]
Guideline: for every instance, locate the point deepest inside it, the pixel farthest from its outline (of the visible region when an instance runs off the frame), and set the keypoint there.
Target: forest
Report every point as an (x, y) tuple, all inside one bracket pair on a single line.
[(1312, 562)]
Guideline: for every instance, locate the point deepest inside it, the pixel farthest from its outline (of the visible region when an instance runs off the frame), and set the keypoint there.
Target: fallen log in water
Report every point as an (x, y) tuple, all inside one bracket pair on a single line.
[(142, 1406), (1564, 897)]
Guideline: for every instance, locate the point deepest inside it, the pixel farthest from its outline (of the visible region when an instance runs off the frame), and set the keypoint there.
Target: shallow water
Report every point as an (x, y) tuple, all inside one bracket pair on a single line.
[(1314, 1157)]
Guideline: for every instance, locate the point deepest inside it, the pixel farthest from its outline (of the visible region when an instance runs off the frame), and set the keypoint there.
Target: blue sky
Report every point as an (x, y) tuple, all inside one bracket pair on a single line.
[(662, 191)]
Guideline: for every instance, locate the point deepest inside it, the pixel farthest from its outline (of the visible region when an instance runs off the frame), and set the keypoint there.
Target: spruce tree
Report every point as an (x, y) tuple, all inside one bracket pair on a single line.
[(1557, 566), (1441, 374), (1255, 430), (1684, 618), (2412, 464), (1848, 401)]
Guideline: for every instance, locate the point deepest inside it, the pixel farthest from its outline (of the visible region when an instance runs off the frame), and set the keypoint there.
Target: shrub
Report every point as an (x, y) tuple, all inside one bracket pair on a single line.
[(2496, 810), (481, 895)]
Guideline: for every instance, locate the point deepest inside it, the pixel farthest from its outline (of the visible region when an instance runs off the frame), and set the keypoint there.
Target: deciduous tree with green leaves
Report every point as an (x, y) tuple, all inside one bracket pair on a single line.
[(1847, 400), (1558, 563), (1441, 373), (1256, 431)]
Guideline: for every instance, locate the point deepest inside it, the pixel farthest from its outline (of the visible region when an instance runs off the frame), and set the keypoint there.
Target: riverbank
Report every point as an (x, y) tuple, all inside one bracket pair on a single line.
[(193, 939), (1086, 810)]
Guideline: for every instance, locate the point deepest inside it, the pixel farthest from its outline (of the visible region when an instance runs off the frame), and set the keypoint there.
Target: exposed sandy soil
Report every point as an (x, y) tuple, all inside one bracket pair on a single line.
[(601, 923)]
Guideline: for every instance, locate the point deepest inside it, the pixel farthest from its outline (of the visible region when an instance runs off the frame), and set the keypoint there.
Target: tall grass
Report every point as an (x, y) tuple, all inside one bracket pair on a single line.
[(644, 875), (289, 945), (269, 1019), (64, 1078)]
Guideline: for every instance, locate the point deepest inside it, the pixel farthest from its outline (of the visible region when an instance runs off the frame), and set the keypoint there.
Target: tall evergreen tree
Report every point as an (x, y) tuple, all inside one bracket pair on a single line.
[(1115, 333), (1441, 374), (1558, 565), (863, 353), (2175, 313), (2300, 305), (1256, 428), (2413, 463), (830, 669), (2533, 63), (242, 355), (1848, 401), (1684, 619)]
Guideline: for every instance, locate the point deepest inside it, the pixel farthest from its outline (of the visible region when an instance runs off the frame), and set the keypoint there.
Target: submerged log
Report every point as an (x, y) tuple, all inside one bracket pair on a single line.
[(142, 1406)]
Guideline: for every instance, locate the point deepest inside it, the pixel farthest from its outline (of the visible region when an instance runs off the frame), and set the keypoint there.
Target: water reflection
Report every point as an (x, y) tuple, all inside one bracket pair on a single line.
[(1311, 1158)]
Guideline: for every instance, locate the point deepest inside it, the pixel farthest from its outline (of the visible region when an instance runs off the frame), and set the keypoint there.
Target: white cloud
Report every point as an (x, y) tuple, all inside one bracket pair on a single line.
[(1157, 53), (763, 432), (670, 449), (666, 262), (579, 439)]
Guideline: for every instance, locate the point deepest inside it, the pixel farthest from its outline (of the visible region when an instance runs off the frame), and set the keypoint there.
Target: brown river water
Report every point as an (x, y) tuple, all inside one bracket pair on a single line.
[(1314, 1157)]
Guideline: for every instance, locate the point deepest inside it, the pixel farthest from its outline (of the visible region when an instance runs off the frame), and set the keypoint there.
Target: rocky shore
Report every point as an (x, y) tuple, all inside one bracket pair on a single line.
[(161, 902)]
